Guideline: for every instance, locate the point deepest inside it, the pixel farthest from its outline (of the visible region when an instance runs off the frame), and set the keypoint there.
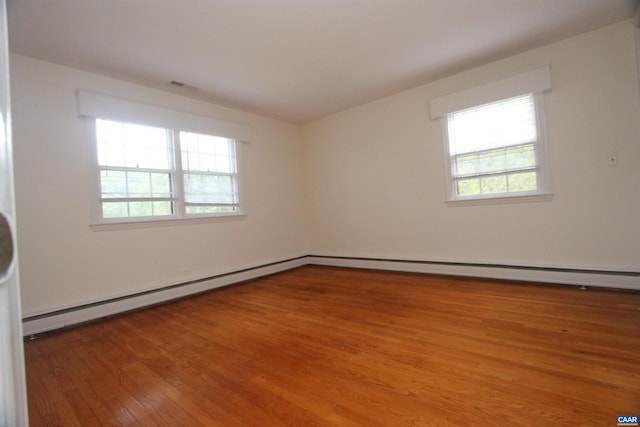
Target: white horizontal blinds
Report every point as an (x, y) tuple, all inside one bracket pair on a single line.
[(210, 179), (135, 164), (92, 104), (499, 124), (493, 147)]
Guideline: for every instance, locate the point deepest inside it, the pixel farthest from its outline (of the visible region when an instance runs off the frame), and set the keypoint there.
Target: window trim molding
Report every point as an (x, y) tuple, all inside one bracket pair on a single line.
[(128, 224), (502, 199), (97, 105), (532, 81)]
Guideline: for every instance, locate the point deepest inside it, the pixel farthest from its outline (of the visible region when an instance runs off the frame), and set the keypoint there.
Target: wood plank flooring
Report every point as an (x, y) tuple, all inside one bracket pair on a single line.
[(320, 346)]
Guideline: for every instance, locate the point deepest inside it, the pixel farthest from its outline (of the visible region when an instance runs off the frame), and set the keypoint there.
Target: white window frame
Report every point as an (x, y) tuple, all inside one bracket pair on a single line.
[(541, 193), (533, 82), (92, 106)]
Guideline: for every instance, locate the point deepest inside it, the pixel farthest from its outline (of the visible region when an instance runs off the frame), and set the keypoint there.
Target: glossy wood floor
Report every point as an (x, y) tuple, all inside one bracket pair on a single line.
[(322, 346)]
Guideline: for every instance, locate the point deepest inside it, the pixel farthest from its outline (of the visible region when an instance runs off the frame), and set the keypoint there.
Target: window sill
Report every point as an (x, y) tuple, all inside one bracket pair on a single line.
[(129, 224), (529, 198)]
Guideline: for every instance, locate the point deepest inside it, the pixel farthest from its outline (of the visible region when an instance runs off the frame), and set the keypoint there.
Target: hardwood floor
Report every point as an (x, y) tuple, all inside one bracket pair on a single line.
[(320, 346)]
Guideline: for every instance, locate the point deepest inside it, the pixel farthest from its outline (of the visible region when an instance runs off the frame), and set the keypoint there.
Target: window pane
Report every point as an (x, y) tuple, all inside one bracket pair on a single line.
[(204, 188), (526, 181), (499, 124), (207, 153), (113, 184), (466, 164), (115, 209), (467, 187), (521, 156), (125, 184), (500, 159), (136, 209), (162, 208), (523, 181), (130, 145), (140, 208), (493, 184), (482, 185), (479, 163), (161, 185), (138, 184)]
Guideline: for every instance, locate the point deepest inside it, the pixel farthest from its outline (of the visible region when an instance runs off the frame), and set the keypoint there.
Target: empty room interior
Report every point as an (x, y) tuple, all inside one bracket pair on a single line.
[(327, 212)]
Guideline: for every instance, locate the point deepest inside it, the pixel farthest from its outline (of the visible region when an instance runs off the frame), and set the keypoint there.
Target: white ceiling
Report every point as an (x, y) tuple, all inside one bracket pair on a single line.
[(295, 60)]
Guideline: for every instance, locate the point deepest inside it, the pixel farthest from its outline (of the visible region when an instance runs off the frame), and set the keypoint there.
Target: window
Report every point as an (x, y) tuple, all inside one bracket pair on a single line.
[(135, 170), (161, 164), (494, 148), (209, 174), (140, 175), (495, 140)]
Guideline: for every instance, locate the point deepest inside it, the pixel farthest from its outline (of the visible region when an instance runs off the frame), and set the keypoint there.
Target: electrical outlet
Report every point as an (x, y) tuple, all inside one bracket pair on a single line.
[(613, 158)]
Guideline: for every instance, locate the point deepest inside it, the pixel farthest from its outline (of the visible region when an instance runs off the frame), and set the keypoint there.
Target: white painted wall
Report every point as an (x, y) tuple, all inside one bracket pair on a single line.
[(63, 263), (375, 172), (367, 182)]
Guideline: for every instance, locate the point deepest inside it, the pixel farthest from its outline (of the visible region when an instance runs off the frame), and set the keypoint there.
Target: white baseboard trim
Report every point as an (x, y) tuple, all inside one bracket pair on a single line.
[(565, 276), (579, 277), (85, 313)]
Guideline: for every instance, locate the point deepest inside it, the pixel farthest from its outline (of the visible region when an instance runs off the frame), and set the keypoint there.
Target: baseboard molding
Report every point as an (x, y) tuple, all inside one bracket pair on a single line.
[(566, 276), (60, 319)]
